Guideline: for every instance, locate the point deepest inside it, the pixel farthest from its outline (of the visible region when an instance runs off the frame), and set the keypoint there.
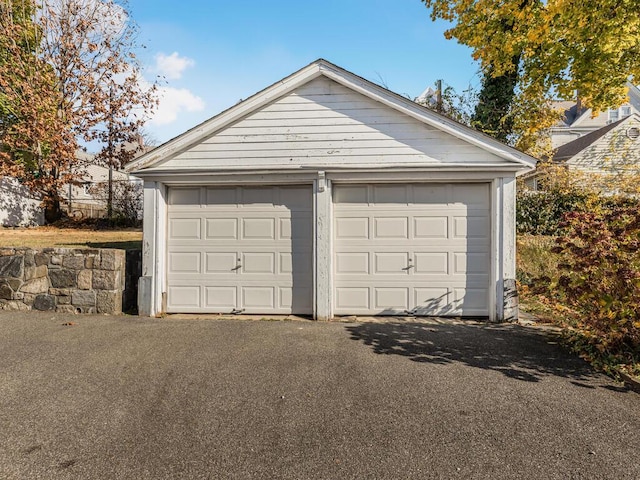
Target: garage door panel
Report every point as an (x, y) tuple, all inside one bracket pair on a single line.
[(352, 299), (221, 262), (470, 263), (184, 296), (222, 228), (221, 297), (184, 229), (298, 227), (297, 299), (352, 228), (471, 227), (436, 195), (351, 194), (390, 194), (257, 196), (296, 198), (227, 197), (391, 227), (431, 301), (258, 262), (471, 195), (258, 229), (184, 262), (431, 263), (258, 298), (471, 300), (187, 197), (299, 262), (250, 256), (352, 263), (386, 263), (391, 299), (412, 247), (430, 227)]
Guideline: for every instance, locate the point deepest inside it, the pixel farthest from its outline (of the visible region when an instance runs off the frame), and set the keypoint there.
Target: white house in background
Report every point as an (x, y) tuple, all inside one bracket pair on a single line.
[(86, 198), (325, 195), (19, 207), (600, 156), (579, 121)]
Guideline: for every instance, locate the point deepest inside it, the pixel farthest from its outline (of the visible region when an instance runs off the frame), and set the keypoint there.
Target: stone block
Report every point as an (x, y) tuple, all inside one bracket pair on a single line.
[(4, 252), (42, 259), (112, 259), (35, 272), (44, 302), (75, 262), (29, 258), (14, 283), (6, 292), (109, 301), (35, 286), (63, 299), (84, 279), (59, 291), (12, 266), (106, 280), (83, 298), (66, 309), (15, 306), (89, 261), (63, 278), (56, 260), (29, 298)]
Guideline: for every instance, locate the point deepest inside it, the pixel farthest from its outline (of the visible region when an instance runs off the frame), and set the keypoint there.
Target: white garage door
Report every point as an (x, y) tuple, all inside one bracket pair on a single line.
[(417, 248), (240, 249)]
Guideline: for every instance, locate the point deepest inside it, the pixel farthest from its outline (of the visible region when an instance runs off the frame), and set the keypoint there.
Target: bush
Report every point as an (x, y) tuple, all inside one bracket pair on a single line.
[(600, 280), (540, 213)]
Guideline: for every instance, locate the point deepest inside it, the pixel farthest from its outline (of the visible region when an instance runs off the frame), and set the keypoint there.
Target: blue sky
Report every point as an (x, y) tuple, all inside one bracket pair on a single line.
[(214, 53)]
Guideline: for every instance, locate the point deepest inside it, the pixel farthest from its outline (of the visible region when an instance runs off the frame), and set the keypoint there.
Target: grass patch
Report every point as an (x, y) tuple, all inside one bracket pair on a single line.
[(56, 237)]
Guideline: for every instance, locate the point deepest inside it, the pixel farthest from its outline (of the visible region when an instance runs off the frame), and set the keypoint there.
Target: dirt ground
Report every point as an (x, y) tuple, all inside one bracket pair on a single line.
[(48, 236)]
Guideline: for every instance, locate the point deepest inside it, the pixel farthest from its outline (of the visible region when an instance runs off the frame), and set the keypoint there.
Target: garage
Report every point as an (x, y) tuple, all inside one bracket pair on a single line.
[(239, 249), (327, 195), (417, 248)]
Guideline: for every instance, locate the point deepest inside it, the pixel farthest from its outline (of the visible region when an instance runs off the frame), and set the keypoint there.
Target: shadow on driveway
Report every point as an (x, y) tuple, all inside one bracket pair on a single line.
[(502, 348)]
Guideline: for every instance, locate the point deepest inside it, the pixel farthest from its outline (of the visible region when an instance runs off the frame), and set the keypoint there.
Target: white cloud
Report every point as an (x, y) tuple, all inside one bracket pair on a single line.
[(172, 66), (172, 101)]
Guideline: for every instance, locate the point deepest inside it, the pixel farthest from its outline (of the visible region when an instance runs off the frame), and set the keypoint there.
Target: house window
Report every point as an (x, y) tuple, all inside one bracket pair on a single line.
[(614, 115), (626, 111), (86, 189)]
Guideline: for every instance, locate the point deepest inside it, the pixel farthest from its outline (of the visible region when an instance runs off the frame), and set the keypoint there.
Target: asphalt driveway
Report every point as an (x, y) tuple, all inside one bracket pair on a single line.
[(125, 397)]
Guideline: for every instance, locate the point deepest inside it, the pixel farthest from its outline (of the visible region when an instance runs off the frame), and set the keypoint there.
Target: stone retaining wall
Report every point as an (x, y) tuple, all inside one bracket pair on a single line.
[(62, 279)]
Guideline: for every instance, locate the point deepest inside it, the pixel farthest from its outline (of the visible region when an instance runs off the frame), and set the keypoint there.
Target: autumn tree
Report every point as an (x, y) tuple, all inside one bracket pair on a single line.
[(87, 51), (554, 47), (37, 145)]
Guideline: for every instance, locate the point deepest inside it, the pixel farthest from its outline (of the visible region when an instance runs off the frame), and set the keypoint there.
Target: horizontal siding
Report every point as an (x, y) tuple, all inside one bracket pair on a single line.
[(323, 122), (614, 152)]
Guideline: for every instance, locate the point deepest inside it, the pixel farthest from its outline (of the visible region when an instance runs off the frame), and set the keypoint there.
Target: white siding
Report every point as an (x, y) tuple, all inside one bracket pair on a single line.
[(613, 153), (323, 123)]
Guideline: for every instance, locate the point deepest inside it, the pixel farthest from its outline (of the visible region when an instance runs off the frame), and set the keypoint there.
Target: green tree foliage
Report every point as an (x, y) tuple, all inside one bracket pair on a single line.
[(494, 101), (555, 48)]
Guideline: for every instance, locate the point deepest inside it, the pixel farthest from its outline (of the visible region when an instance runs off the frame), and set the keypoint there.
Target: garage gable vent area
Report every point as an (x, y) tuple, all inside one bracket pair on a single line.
[(327, 195)]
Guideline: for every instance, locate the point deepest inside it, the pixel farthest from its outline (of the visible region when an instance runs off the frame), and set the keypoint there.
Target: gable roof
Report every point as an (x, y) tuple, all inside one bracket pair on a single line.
[(574, 117), (571, 149), (354, 82)]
